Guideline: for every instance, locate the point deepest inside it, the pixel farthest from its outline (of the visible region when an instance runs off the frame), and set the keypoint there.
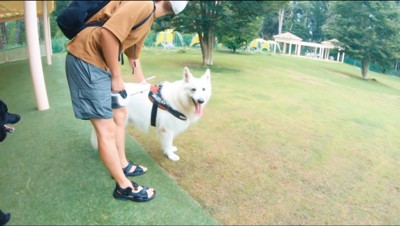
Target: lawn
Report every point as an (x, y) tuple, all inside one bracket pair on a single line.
[(283, 140), (286, 140), (50, 175)]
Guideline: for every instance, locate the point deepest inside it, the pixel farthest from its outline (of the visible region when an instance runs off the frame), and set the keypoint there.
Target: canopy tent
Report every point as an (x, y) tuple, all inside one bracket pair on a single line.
[(195, 40), (29, 11), (169, 39), (260, 44)]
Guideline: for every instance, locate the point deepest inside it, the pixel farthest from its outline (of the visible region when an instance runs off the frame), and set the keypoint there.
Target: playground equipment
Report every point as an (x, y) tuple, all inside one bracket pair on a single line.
[(195, 40), (259, 44), (169, 39)]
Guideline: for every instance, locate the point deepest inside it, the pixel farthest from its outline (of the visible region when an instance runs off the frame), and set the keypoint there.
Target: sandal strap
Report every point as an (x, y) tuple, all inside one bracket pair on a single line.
[(129, 194), (138, 170), (129, 167)]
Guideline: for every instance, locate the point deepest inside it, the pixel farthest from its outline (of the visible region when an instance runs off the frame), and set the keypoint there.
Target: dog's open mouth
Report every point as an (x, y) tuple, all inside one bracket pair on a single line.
[(9, 129), (198, 108)]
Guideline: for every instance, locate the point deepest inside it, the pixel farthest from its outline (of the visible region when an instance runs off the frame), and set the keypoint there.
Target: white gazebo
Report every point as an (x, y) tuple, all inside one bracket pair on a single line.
[(332, 44), (288, 39), (30, 11), (320, 50)]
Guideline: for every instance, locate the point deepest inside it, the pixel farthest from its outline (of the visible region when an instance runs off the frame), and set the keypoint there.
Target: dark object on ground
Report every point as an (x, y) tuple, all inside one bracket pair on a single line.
[(6, 118)]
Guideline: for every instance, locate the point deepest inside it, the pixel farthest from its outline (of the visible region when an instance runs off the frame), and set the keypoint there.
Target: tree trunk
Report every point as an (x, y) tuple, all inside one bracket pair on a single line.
[(3, 35), (364, 68), (207, 46), (18, 32), (281, 16)]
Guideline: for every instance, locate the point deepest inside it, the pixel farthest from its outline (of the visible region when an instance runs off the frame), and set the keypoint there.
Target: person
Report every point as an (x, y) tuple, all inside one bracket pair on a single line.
[(93, 74)]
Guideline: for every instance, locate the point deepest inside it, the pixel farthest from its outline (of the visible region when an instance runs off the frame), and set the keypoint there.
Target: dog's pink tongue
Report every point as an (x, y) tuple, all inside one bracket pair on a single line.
[(198, 110)]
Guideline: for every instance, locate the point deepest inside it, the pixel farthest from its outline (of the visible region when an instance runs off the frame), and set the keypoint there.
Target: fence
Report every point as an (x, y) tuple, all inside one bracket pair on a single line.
[(18, 53)]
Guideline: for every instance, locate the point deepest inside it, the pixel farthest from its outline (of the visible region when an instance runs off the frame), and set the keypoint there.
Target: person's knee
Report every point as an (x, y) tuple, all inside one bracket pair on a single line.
[(119, 116), (105, 129)]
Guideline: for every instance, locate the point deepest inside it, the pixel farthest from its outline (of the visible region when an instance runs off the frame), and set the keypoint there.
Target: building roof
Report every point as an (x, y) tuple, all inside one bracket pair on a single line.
[(14, 10), (287, 36)]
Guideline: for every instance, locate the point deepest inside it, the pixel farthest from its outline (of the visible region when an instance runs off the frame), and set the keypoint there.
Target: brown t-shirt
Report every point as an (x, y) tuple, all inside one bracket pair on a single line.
[(120, 17)]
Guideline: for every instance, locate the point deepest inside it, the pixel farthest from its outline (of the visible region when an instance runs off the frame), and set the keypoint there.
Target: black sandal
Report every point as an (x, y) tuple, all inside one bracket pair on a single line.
[(127, 194), (137, 172)]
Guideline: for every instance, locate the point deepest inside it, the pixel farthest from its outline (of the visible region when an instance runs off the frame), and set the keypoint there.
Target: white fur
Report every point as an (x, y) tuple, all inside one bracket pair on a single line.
[(180, 95)]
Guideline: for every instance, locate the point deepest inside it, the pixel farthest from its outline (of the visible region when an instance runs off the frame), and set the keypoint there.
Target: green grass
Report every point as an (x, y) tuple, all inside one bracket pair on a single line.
[(49, 175), (288, 140), (284, 140)]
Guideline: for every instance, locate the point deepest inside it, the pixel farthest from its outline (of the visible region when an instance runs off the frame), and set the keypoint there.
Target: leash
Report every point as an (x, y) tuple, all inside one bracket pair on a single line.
[(141, 91)]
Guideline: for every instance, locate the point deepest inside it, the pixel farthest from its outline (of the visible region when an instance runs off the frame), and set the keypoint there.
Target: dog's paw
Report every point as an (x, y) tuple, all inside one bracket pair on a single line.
[(174, 149), (173, 156)]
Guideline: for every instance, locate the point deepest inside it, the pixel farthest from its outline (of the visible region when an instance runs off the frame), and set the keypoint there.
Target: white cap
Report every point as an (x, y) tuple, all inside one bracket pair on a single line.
[(178, 6)]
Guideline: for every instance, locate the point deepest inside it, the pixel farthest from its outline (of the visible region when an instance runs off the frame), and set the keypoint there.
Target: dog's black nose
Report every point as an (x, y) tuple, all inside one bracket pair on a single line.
[(200, 101)]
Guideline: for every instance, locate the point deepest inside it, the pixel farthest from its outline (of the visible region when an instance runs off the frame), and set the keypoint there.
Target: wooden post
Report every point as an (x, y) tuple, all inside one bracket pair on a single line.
[(35, 60)]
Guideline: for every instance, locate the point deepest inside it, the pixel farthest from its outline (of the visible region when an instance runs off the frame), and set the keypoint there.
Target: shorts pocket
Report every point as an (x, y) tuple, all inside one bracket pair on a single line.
[(97, 74), (94, 94)]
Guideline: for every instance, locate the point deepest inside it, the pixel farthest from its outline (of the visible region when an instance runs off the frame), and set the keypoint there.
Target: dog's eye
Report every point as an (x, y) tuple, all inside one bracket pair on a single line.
[(204, 89), (193, 89)]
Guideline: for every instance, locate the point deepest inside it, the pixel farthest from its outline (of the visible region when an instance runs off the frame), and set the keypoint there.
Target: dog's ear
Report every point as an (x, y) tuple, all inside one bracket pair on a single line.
[(207, 75), (3, 107), (186, 75), (3, 111)]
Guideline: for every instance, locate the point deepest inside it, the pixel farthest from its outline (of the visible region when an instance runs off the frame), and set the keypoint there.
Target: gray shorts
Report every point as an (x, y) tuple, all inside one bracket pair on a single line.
[(90, 89)]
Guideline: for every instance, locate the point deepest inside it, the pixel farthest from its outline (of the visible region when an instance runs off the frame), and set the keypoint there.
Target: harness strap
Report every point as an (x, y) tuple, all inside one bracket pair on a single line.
[(153, 114), (159, 102)]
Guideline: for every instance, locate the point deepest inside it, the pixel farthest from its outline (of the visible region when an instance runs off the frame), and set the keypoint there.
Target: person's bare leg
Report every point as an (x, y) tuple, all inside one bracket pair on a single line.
[(119, 119), (106, 132)]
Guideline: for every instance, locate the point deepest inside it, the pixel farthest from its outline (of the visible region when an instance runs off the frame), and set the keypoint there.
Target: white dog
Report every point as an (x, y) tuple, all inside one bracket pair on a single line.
[(171, 107)]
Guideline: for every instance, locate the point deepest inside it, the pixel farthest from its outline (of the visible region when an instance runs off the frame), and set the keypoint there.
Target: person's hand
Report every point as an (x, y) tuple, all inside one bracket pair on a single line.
[(117, 84), (119, 97)]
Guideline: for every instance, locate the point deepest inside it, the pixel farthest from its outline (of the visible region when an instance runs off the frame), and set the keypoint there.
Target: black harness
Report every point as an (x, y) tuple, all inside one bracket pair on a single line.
[(159, 102)]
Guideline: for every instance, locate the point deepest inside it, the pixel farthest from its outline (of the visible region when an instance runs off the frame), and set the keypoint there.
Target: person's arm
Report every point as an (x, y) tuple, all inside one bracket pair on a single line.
[(110, 48), (137, 70), (133, 54)]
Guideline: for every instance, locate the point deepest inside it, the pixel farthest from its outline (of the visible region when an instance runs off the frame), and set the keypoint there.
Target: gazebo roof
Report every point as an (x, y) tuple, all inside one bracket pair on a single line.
[(333, 43), (14, 10), (287, 36)]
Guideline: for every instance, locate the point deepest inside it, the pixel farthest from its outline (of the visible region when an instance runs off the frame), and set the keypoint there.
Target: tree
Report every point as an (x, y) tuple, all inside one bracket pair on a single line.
[(298, 19), (210, 19), (302, 18), (273, 20), (281, 16), (318, 16), (19, 30), (368, 30), (3, 35), (201, 17), (60, 6), (244, 27)]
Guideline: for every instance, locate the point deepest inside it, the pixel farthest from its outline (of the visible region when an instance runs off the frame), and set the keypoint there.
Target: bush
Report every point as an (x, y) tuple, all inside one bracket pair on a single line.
[(59, 44)]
